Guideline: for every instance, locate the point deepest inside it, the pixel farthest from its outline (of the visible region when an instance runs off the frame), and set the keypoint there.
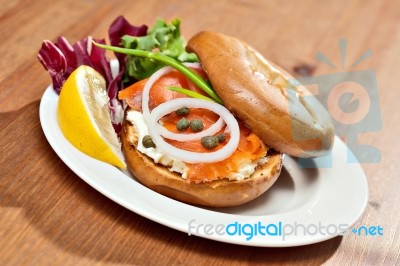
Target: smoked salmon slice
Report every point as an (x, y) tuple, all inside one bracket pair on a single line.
[(250, 146)]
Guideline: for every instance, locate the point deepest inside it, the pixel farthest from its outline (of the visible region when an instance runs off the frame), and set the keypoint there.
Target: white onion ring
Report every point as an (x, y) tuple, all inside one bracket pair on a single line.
[(189, 156), (156, 75), (193, 65), (163, 132), (146, 90), (192, 136)]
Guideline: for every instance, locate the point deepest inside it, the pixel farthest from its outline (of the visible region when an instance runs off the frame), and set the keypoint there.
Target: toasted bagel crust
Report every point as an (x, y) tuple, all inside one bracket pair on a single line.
[(257, 91), (220, 193)]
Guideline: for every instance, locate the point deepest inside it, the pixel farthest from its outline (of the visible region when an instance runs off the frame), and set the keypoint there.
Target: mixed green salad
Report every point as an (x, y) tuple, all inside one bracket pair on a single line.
[(140, 50)]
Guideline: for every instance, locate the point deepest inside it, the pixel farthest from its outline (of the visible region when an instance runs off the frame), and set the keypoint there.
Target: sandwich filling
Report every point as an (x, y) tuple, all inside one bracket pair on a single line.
[(240, 163)]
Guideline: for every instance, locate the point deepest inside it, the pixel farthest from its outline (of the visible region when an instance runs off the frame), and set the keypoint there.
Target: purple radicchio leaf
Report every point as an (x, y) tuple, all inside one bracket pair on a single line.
[(119, 28), (61, 58), (69, 53), (99, 60), (81, 49), (54, 61)]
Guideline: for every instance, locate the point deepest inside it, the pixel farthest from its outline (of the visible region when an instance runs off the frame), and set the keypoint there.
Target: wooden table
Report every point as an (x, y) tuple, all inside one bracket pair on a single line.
[(49, 216)]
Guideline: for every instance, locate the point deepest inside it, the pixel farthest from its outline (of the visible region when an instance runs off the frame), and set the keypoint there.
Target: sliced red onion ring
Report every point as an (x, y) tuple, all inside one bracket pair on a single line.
[(189, 156), (192, 136)]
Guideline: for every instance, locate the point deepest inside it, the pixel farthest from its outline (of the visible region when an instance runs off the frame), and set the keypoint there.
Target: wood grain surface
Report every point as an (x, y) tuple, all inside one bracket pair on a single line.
[(49, 216)]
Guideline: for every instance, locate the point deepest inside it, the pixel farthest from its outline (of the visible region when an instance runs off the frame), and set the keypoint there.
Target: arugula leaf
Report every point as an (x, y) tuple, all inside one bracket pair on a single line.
[(162, 37)]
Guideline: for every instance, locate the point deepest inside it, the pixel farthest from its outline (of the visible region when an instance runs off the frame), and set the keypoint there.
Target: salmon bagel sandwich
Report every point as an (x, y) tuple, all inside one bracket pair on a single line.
[(222, 147)]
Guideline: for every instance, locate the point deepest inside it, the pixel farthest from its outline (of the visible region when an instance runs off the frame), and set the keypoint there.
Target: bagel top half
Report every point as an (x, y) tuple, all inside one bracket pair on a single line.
[(287, 118)]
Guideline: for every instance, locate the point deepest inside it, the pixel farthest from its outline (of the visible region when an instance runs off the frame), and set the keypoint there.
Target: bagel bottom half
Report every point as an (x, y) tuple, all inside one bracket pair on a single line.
[(219, 193)]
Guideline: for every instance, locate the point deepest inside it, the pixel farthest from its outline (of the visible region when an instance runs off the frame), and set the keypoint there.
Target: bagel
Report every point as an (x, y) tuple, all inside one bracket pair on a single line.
[(258, 94)]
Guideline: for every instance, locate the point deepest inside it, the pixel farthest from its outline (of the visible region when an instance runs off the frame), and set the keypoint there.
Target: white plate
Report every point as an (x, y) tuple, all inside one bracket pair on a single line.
[(309, 197)]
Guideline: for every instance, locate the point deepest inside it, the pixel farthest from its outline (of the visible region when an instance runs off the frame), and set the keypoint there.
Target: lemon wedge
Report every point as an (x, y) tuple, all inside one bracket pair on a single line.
[(84, 116)]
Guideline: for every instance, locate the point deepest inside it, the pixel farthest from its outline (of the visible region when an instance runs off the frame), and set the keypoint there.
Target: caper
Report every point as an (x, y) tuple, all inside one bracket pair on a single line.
[(196, 125), (148, 142), (209, 142), (221, 137), (182, 124), (182, 111)]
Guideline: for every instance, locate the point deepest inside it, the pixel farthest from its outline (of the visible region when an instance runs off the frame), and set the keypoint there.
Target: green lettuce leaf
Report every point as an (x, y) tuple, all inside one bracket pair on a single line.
[(162, 37)]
